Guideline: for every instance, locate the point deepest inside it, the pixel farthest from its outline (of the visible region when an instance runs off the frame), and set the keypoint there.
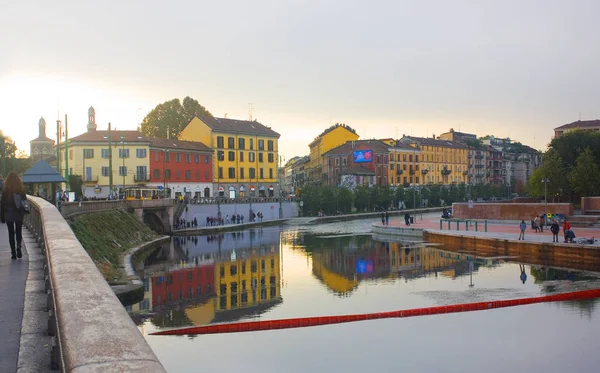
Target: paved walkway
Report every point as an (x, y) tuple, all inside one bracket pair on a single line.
[(25, 343), (494, 230)]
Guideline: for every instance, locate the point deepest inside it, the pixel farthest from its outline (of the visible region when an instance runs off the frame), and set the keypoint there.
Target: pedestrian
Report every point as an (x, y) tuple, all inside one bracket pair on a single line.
[(542, 222), (407, 218), (522, 226), (387, 218), (566, 229), (12, 212), (227, 219), (242, 217), (536, 224), (382, 218), (554, 228)]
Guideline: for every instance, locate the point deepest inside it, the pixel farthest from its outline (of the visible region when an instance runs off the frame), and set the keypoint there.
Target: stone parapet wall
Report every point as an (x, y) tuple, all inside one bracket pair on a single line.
[(590, 205), (508, 211)]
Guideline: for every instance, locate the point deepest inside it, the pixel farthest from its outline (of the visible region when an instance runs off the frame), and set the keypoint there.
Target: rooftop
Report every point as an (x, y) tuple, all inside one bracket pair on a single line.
[(239, 126), (580, 124), (102, 136), (179, 144), (375, 145), (347, 127), (435, 142)]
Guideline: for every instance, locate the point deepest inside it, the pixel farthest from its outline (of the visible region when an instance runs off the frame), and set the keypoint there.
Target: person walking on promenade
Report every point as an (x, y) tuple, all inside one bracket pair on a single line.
[(554, 228), (536, 224), (382, 218), (522, 226), (407, 218), (387, 218), (542, 222), (12, 212)]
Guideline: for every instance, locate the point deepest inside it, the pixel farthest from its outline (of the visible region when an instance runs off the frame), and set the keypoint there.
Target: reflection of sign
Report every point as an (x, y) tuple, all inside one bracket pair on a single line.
[(363, 156), (221, 189), (364, 266), (160, 187), (470, 203), (252, 188)]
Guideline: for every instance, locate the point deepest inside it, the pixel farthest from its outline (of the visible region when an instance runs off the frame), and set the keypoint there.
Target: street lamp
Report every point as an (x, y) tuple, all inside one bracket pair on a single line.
[(281, 160), (123, 157), (545, 181), (165, 153)]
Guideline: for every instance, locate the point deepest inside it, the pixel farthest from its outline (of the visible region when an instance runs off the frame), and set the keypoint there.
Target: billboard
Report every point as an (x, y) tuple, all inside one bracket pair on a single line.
[(364, 266), (363, 156)]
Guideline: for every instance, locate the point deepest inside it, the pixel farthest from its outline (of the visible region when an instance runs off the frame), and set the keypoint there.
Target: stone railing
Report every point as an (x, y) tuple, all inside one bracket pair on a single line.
[(225, 200), (90, 328), (69, 208)]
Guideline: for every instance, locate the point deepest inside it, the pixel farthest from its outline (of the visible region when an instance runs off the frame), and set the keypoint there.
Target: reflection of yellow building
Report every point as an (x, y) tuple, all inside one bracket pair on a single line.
[(246, 154), (422, 258), (332, 137), (248, 281), (334, 281), (201, 314)]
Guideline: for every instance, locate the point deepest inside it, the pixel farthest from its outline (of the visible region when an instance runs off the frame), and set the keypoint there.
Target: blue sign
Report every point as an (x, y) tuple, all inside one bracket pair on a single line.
[(363, 156), (160, 187)]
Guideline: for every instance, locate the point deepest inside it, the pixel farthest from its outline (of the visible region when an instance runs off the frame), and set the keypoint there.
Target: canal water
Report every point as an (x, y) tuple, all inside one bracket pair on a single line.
[(339, 268)]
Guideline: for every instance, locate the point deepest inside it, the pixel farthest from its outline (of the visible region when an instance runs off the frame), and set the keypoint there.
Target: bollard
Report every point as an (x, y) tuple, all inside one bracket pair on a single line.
[(441, 225), (458, 225), (449, 221), (475, 225), (485, 225)]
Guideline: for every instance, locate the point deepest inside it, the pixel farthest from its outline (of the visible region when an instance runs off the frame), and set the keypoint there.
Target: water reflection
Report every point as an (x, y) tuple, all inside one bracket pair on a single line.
[(239, 275)]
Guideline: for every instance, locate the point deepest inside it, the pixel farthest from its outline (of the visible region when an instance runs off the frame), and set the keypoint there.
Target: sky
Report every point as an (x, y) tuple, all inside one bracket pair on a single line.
[(508, 68)]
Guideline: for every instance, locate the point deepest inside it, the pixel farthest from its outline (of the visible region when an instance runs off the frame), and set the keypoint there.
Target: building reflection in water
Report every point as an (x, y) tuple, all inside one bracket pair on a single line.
[(206, 279)]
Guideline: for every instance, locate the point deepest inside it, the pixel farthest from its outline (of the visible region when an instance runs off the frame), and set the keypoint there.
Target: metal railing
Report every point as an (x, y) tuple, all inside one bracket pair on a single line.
[(88, 324)]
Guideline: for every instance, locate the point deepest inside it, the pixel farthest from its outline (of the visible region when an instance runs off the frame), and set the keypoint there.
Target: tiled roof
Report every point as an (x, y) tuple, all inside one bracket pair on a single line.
[(238, 126), (375, 145), (436, 142), (42, 139), (115, 136), (357, 170), (580, 124), (179, 144)]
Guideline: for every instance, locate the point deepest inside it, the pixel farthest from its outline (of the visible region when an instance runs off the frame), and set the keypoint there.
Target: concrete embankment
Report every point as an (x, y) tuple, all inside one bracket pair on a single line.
[(227, 227)]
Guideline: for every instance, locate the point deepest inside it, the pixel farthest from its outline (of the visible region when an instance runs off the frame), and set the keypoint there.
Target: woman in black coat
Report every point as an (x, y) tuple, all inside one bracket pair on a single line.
[(10, 214)]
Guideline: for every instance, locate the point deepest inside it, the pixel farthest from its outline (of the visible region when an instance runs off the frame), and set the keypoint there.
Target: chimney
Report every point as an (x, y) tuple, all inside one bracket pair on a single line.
[(433, 136)]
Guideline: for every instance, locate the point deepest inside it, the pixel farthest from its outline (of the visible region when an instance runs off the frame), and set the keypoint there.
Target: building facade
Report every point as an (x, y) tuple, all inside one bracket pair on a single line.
[(360, 162), (42, 147), (182, 168), (404, 167), (331, 138), (246, 155), (591, 125), (295, 174)]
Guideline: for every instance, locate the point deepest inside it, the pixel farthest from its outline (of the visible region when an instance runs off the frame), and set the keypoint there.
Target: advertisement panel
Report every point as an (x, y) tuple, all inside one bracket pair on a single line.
[(363, 156)]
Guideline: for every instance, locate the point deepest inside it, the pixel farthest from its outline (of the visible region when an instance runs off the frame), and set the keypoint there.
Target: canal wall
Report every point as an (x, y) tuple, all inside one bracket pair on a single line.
[(508, 211), (590, 205), (270, 210), (585, 257)]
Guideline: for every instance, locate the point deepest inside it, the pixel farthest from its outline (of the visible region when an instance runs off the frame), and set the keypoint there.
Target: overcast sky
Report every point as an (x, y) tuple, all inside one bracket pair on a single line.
[(508, 68)]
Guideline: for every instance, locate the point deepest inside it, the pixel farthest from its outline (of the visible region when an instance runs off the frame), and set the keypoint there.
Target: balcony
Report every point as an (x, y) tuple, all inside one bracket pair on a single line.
[(90, 179), (465, 173), (478, 166), (479, 176), (479, 156), (411, 172), (424, 171), (141, 177), (446, 172), (399, 171)]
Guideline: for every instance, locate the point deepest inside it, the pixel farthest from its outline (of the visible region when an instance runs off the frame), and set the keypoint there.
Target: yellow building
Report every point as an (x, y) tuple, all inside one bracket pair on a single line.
[(246, 155), (332, 137), (404, 165), (251, 279), (441, 161), (89, 155)]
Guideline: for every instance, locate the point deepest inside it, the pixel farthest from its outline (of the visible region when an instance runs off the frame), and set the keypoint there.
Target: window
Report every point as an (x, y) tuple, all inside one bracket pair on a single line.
[(123, 153), (221, 155), (241, 172), (241, 156), (231, 143), (205, 175), (262, 175), (261, 144), (122, 171), (197, 174), (155, 156), (188, 158), (231, 172), (188, 174), (177, 157), (140, 173), (231, 156), (270, 145), (404, 157), (241, 143), (177, 174), (140, 153), (206, 158), (233, 272), (156, 173), (251, 144), (260, 157), (197, 158), (251, 157), (167, 174), (270, 157), (270, 173), (252, 173), (416, 158), (220, 142), (410, 158), (71, 157), (344, 161), (220, 172), (88, 153), (105, 153), (105, 171), (167, 157)]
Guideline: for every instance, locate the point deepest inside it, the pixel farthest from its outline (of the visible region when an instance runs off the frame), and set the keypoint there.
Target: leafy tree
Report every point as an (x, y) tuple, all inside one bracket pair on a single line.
[(361, 198), (344, 200), (571, 144), (172, 116), (75, 183), (584, 177), (552, 169)]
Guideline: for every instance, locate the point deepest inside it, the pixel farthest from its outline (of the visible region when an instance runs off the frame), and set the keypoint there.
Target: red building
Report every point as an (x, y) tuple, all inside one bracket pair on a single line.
[(183, 284), (183, 167), (360, 162)]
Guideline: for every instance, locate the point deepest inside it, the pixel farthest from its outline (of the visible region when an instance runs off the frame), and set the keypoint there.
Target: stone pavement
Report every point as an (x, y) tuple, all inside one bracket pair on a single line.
[(494, 230), (25, 344)]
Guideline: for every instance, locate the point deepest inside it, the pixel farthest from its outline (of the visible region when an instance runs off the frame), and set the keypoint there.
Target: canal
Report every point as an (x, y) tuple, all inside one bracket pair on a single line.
[(340, 268)]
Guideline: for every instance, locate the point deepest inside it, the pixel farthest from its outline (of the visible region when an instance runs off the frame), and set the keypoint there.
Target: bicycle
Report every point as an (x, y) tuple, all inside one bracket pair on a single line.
[(586, 241)]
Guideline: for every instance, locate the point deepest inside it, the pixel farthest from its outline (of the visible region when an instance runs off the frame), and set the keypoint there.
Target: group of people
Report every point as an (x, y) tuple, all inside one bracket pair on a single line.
[(235, 219), (183, 223), (538, 223), (385, 218)]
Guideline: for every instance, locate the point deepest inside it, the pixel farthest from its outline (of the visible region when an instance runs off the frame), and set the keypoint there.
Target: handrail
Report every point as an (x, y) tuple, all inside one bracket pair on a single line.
[(89, 325)]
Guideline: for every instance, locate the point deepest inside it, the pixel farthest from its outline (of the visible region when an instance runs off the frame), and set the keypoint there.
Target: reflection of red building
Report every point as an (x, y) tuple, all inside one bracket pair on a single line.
[(185, 167), (183, 284)]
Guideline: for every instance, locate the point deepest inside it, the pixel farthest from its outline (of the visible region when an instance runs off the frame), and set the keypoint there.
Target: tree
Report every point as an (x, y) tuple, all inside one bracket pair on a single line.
[(571, 144), (172, 116), (553, 170), (584, 177)]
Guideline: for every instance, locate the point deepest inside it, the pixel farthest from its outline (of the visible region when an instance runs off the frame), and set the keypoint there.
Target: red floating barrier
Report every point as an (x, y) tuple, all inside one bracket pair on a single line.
[(300, 322)]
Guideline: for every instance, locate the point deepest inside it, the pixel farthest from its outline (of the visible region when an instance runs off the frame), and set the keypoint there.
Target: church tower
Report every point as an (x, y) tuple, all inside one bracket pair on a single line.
[(91, 119), (41, 147), (42, 128)]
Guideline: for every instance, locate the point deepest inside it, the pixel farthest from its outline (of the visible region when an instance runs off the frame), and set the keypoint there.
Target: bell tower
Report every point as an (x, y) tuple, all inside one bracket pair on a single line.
[(91, 126), (42, 128)]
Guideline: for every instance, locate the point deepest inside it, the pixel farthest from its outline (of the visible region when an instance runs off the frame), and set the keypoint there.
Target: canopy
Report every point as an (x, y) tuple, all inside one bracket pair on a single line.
[(42, 172)]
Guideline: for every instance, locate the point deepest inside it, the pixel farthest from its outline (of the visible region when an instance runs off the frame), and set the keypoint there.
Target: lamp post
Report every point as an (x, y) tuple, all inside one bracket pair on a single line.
[(545, 181), (165, 152), (124, 173), (281, 160)]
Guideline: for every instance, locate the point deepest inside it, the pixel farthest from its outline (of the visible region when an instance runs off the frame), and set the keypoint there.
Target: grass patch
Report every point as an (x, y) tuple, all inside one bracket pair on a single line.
[(108, 235)]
